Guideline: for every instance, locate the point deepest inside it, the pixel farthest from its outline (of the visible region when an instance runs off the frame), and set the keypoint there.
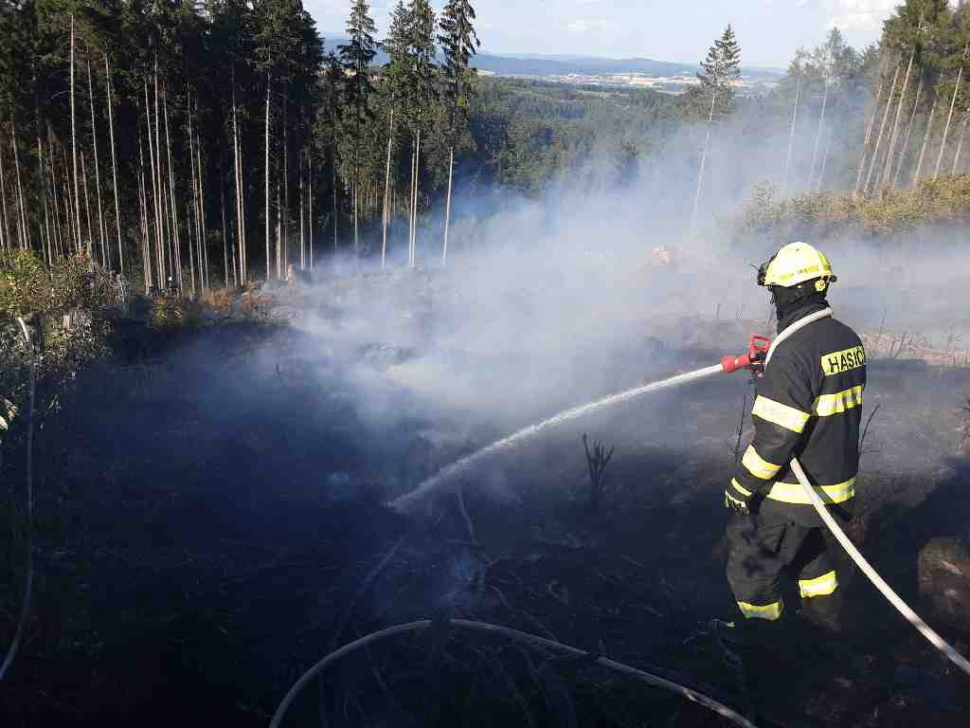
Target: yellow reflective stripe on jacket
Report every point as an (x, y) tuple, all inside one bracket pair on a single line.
[(780, 414), (794, 493), (821, 586), (839, 403), (740, 488), (758, 466), (771, 612)]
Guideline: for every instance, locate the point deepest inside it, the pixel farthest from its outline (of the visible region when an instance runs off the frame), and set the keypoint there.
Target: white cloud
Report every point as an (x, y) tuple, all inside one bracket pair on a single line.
[(583, 26), (864, 15)]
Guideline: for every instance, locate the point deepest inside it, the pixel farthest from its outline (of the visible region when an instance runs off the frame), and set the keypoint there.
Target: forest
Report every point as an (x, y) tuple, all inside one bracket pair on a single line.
[(199, 145)]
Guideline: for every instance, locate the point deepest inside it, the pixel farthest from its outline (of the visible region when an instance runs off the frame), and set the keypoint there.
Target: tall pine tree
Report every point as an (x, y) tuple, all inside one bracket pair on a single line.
[(356, 57), (458, 43)]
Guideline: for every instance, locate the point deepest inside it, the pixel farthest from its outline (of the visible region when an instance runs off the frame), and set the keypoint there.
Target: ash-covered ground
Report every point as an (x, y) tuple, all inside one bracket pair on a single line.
[(211, 520)]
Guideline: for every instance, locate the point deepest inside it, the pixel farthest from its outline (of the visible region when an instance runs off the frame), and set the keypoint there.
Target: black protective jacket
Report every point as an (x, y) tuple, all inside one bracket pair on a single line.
[(809, 406)]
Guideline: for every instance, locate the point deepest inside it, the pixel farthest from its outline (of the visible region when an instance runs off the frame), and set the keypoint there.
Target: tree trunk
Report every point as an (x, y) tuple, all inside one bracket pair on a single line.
[(302, 218), (926, 139), (266, 205), (203, 229), (240, 206), (949, 117), (882, 129), (700, 174), (791, 136), (8, 241), (77, 201), (451, 175), (333, 171), (97, 172), (225, 240), (825, 161), (146, 238), (42, 173), (865, 143), (165, 236), (21, 201), (175, 243), (87, 205), (414, 148), (818, 135), (311, 222), (156, 240), (114, 166), (55, 195), (963, 134), (909, 131), (891, 152), (195, 202), (284, 210)]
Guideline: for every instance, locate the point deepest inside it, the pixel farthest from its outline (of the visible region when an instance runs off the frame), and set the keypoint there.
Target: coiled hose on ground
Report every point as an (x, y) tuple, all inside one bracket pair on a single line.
[(514, 634)]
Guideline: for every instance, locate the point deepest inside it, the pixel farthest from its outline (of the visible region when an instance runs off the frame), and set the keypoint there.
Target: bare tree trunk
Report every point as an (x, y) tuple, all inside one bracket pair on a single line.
[(87, 205), (191, 247), (8, 241), (891, 152), (21, 200), (949, 118), (157, 240), (175, 242), (818, 135), (865, 143), (240, 206), (77, 202), (311, 221), (42, 173), (55, 195), (114, 166), (700, 173), (279, 233), (825, 161), (203, 229), (926, 138), (225, 239), (195, 202), (146, 240), (451, 174), (284, 211), (791, 136), (164, 237), (333, 170), (882, 129), (302, 217), (97, 172), (411, 207), (909, 131), (963, 134), (266, 206)]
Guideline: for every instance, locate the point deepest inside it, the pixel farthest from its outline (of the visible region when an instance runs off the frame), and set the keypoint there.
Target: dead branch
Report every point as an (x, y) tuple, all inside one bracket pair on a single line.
[(460, 494), (597, 462)]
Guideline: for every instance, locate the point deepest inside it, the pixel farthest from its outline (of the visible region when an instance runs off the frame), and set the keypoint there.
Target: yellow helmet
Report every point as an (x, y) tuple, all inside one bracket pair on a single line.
[(794, 264)]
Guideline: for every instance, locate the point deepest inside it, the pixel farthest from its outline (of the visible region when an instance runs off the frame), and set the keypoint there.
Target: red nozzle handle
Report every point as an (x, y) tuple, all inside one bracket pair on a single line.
[(731, 364)]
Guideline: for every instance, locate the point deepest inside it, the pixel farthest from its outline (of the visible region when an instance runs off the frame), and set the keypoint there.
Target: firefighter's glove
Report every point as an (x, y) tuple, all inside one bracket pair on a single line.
[(745, 505)]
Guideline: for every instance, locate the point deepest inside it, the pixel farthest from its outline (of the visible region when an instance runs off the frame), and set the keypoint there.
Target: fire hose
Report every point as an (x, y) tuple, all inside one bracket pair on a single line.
[(914, 619), (514, 634)]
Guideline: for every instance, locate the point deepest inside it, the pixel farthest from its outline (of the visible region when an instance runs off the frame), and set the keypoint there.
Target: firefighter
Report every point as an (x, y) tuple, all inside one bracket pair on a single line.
[(808, 405)]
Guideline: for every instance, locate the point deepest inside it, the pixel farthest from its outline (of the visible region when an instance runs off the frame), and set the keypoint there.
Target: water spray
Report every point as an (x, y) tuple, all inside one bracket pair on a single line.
[(752, 360)]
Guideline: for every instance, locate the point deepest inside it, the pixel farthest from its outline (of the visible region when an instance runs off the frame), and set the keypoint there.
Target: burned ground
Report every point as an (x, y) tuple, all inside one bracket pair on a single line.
[(210, 519)]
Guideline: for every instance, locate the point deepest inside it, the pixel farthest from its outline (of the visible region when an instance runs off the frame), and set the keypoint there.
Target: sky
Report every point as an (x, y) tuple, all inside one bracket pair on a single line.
[(769, 31)]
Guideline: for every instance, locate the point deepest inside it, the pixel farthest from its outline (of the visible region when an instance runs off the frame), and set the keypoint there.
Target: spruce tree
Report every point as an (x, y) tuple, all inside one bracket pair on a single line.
[(721, 69), (458, 43), (356, 57)]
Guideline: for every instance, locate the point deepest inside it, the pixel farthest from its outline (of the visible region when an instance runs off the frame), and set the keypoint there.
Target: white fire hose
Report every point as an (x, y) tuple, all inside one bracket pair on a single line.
[(914, 619)]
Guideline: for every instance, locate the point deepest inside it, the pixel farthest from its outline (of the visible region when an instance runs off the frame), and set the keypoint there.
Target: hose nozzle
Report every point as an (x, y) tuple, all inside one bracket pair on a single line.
[(752, 359)]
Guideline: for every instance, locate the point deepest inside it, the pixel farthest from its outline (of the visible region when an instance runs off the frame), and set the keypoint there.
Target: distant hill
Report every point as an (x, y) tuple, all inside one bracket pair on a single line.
[(529, 64)]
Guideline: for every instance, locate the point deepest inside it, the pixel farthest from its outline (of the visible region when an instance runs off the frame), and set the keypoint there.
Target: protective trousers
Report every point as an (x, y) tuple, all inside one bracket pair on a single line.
[(761, 552)]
